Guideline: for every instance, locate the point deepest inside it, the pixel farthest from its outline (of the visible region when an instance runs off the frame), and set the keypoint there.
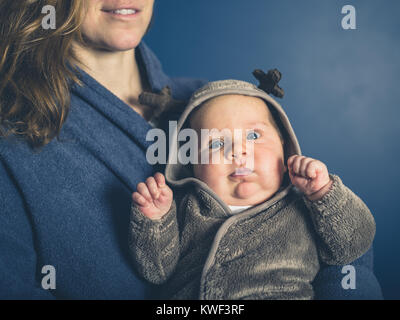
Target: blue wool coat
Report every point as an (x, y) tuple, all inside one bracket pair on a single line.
[(68, 206)]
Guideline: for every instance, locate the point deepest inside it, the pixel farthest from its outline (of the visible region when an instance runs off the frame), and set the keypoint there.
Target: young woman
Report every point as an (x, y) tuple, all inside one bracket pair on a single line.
[(72, 146)]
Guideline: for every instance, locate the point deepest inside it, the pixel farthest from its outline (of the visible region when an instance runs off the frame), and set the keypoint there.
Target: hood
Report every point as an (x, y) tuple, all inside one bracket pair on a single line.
[(178, 174)]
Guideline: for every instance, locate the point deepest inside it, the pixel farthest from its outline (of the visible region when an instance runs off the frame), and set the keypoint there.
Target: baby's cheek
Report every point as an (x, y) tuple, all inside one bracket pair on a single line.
[(270, 165), (207, 173)]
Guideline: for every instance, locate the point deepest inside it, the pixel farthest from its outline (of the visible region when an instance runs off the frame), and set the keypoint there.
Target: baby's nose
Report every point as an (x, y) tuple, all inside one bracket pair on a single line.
[(239, 155), (240, 161)]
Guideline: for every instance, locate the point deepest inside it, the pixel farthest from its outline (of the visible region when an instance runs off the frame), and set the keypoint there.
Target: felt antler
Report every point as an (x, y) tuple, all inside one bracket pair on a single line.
[(269, 82), (160, 102)]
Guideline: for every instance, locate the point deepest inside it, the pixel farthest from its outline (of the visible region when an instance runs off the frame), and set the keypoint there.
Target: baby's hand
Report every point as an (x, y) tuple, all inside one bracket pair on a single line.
[(310, 176), (153, 197)]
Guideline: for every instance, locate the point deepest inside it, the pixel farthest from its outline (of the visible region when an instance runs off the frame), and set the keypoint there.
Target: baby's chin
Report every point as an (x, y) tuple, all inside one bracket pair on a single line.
[(249, 194)]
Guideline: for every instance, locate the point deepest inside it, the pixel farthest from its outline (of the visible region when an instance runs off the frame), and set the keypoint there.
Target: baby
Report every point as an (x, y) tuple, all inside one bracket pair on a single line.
[(254, 225)]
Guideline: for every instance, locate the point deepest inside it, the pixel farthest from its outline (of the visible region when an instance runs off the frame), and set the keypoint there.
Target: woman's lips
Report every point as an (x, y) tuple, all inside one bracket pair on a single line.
[(123, 13)]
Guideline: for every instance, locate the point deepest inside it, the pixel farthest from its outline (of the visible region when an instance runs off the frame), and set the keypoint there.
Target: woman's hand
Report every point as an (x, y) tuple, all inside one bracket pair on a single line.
[(310, 176), (153, 197)]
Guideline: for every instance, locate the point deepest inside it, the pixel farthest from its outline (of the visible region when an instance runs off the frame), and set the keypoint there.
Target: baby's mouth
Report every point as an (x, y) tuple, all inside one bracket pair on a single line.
[(241, 172)]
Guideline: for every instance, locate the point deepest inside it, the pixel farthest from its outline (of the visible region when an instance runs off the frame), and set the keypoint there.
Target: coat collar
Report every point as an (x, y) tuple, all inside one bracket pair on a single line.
[(117, 111), (152, 67)]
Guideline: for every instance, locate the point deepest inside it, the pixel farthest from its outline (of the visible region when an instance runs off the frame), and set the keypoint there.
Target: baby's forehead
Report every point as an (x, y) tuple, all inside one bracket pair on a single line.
[(224, 106), (233, 98)]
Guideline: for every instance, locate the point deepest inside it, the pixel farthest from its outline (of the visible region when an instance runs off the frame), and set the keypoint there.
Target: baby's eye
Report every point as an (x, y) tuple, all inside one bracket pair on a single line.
[(216, 144), (253, 135)]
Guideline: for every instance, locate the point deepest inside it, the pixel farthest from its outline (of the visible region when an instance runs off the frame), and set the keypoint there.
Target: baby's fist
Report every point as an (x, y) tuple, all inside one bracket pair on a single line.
[(153, 197), (310, 176)]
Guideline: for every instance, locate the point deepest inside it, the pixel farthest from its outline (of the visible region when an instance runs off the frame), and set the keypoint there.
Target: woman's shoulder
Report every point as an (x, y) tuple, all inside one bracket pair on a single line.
[(17, 153), (11, 152), (12, 147)]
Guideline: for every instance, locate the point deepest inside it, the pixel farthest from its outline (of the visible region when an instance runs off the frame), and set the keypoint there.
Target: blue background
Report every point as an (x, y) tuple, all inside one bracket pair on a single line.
[(342, 86)]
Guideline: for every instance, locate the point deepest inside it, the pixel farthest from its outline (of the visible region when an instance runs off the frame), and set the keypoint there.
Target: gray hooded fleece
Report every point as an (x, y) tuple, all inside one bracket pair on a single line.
[(201, 250)]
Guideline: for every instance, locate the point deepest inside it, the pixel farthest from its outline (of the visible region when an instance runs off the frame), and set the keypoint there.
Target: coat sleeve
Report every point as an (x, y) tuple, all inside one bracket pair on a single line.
[(344, 224), (19, 276), (154, 244), (346, 227)]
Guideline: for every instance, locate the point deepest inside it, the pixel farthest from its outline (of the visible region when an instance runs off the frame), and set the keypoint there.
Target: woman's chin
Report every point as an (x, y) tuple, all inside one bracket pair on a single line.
[(123, 44), (115, 42)]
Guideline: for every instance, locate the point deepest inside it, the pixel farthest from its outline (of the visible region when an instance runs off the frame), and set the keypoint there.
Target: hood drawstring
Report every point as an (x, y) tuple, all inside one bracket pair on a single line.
[(161, 102)]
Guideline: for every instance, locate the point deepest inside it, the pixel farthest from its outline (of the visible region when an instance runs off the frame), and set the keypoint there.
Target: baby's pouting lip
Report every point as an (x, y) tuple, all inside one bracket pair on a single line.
[(241, 172)]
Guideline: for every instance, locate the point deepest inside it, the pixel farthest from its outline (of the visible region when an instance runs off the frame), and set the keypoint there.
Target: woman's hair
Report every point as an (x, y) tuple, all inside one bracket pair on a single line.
[(37, 67)]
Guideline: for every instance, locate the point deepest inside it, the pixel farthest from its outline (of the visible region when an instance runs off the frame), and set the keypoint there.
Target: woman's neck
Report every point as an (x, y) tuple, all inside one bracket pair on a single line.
[(117, 71)]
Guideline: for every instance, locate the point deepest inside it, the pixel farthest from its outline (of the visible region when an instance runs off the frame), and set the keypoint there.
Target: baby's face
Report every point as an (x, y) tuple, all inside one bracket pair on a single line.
[(257, 157)]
